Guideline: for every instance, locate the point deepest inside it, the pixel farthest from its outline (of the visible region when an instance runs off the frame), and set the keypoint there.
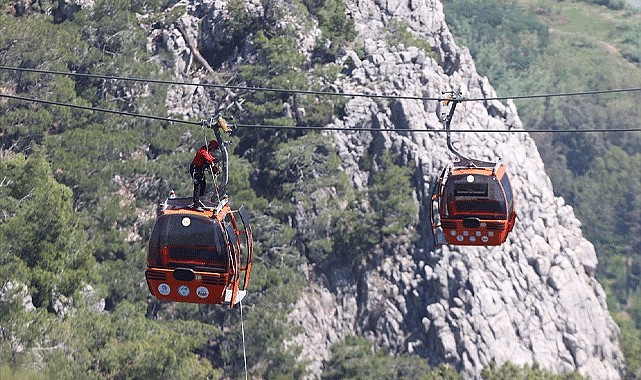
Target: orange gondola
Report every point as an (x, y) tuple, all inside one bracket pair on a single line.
[(473, 200), (201, 255)]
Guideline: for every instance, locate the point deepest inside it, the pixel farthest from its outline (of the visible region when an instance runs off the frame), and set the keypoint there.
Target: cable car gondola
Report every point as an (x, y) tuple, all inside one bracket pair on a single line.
[(201, 255), (473, 200)]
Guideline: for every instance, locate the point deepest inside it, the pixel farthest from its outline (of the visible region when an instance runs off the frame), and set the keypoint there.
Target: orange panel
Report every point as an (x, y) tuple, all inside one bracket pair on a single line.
[(206, 287), (488, 233)]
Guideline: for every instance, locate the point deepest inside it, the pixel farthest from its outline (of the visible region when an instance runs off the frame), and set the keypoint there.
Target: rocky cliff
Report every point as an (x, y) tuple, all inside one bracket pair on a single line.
[(533, 299)]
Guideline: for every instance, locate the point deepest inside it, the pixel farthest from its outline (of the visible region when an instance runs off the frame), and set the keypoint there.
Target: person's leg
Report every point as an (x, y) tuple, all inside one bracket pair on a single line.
[(199, 187), (203, 186)]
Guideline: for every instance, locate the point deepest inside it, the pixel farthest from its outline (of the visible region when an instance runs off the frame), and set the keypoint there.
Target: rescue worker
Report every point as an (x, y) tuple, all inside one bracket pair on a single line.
[(203, 160)]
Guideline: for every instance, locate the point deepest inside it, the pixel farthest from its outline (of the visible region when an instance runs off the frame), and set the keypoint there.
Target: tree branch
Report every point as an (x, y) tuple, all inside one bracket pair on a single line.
[(181, 28)]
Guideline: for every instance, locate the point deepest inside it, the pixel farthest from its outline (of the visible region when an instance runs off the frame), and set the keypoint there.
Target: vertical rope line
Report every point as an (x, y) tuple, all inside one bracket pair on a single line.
[(204, 131), (242, 329)]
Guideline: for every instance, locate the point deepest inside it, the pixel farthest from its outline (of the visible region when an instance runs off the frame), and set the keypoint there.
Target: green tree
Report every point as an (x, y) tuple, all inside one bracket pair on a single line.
[(509, 370), (6, 372), (42, 233), (277, 65), (356, 358), (30, 43), (630, 342), (337, 30), (23, 327), (125, 344), (611, 182), (391, 197), (612, 4), (501, 37)]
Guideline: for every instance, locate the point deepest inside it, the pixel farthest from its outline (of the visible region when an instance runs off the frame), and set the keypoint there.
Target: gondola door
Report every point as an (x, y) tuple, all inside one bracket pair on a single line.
[(246, 245)]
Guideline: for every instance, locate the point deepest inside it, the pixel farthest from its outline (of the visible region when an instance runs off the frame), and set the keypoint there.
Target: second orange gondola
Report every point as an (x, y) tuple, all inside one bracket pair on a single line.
[(475, 205), (472, 202)]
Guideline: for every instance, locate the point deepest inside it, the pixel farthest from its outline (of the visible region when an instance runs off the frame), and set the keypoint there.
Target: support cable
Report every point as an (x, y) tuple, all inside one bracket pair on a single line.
[(311, 92), (319, 128)]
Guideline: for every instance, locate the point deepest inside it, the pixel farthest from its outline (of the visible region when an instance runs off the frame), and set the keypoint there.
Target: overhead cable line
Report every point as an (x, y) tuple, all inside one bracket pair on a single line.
[(87, 108), (221, 86), (316, 128), (312, 92), (556, 95)]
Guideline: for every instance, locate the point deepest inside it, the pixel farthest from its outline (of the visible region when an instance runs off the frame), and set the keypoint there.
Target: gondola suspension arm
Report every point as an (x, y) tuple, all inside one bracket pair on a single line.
[(455, 98)]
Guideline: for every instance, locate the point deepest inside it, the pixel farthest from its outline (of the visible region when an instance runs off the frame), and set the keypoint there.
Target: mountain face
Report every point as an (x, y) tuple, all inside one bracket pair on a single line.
[(533, 299)]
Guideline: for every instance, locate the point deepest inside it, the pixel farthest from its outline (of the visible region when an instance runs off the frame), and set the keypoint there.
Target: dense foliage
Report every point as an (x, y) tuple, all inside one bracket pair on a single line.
[(612, 4), (78, 191), (356, 358), (597, 173)]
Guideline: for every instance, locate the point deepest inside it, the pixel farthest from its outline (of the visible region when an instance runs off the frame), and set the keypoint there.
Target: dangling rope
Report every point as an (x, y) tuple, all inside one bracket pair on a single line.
[(242, 329), (204, 124)]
